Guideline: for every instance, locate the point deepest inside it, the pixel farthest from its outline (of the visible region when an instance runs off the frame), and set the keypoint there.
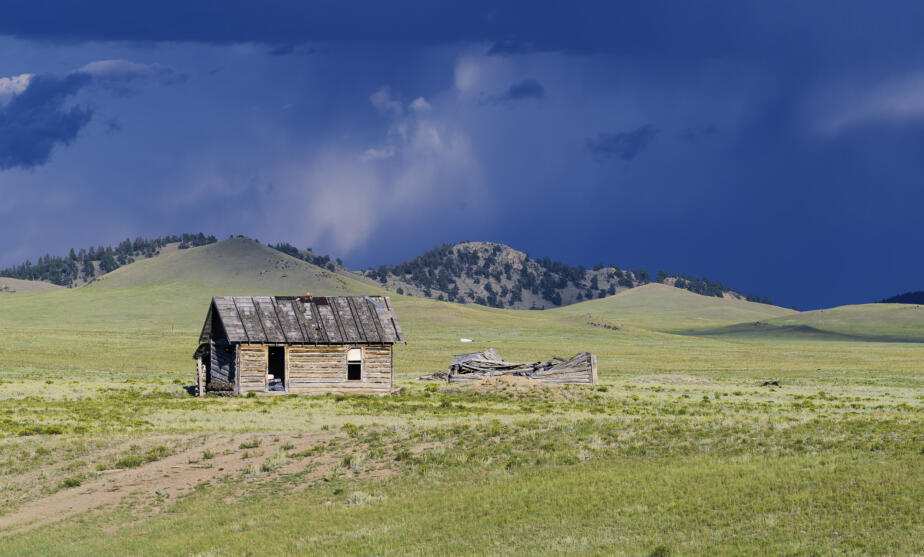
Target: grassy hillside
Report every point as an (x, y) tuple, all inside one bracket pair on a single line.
[(663, 307), (237, 264), (11, 285), (680, 448), (890, 322), (867, 322), (146, 315), (80, 267), (496, 275), (172, 291)]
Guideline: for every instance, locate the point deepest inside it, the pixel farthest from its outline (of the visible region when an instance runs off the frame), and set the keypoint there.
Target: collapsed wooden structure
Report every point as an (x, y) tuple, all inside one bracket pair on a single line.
[(288, 344), (580, 368)]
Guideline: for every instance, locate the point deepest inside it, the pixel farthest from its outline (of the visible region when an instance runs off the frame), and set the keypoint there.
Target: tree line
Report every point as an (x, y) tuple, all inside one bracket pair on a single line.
[(323, 261), (906, 298), (88, 263)]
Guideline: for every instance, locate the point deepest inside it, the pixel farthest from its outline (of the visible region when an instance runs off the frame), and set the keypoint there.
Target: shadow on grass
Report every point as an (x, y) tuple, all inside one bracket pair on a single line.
[(758, 329)]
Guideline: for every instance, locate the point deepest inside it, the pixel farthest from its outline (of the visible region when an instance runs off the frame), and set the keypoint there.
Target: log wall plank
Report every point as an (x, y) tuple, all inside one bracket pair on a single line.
[(252, 368)]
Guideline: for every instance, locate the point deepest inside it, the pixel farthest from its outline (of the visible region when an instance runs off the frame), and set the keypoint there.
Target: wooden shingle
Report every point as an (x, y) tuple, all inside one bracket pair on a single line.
[(304, 320)]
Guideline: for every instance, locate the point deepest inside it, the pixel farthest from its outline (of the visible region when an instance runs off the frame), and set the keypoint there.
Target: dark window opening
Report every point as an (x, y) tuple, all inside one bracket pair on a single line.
[(355, 364), (276, 368)]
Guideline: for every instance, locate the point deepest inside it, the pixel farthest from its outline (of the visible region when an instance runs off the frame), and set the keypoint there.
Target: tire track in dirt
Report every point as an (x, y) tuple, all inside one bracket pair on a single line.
[(170, 477)]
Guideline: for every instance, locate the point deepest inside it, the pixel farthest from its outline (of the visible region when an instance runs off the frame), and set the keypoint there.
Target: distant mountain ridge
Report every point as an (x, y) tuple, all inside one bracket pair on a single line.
[(499, 276), (916, 297), (483, 273)]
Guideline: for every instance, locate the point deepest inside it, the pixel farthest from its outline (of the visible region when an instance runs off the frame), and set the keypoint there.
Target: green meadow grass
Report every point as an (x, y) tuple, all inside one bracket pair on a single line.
[(658, 306), (680, 450)]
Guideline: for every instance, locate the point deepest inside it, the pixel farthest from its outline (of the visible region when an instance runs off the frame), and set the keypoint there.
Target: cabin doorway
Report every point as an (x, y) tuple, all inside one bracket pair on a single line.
[(276, 368)]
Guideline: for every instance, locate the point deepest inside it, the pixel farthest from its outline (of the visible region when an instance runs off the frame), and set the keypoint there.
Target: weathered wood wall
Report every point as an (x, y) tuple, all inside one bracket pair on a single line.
[(313, 369), (251, 368), (321, 369), (580, 369), (200, 376), (221, 363)]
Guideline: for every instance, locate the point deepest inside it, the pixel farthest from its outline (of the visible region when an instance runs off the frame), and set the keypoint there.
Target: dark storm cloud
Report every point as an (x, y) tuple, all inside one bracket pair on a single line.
[(624, 146), (815, 109), (508, 47), (36, 120), (694, 135), (788, 28), (282, 50), (526, 89)]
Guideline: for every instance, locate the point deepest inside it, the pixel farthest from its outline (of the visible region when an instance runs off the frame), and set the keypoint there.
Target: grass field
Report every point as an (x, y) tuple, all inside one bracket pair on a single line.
[(679, 451)]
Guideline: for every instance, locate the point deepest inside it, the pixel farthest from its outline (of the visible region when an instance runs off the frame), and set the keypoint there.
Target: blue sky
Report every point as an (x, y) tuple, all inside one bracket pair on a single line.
[(777, 147)]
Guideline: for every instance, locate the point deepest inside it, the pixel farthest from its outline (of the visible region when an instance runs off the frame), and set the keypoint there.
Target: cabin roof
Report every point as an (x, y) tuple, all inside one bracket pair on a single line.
[(304, 320)]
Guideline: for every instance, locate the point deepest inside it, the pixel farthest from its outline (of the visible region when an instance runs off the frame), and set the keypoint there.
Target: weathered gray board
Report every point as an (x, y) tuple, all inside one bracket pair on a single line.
[(221, 366), (305, 320), (579, 369)]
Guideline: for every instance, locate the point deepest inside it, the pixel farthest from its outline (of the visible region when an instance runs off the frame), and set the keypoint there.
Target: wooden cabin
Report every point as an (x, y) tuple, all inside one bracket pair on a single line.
[(288, 344)]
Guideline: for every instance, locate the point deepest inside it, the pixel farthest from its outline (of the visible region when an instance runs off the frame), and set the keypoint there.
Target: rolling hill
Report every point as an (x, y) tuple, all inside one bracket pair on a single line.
[(497, 275), (12, 285), (868, 322), (171, 291), (182, 282), (482, 273), (81, 267), (236, 265), (663, 307)]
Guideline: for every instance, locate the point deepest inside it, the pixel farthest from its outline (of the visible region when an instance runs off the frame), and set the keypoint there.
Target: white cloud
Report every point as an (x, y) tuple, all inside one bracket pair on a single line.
[(427, 137), (397, 135), (118, 73), (467, 74), (378, 154), (12, 86), (385, 102), (419, 104), (114, 74), (892, 100), (331, 200), (115, 68)]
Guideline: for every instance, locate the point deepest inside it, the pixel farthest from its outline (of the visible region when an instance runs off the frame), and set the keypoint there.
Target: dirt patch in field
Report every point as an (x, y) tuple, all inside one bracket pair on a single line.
[(166, 479), (20, 486)]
